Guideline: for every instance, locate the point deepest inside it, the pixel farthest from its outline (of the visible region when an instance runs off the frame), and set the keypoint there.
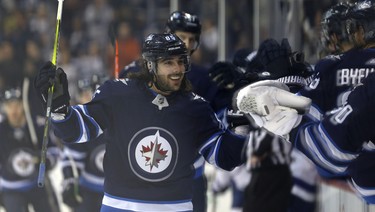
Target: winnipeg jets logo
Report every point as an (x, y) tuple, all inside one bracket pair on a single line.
[(23, 162), (153, 154)]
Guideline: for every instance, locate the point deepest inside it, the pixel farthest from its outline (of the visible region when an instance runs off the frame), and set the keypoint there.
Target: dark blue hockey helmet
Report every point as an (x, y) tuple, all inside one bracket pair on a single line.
[(183, 21), (334, 23), (158, 46), (363, 16), (186, 22), (12, 94)]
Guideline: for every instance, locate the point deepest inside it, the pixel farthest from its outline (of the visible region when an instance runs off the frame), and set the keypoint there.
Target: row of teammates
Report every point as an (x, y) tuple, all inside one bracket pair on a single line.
[(157, 134)]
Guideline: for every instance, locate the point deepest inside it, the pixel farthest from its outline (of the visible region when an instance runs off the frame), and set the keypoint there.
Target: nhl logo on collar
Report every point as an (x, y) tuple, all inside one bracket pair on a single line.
[(153, 154), (160, 101)]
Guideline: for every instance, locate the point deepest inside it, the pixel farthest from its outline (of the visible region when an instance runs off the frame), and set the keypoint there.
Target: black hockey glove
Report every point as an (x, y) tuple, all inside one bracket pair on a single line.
[(299, 66), (46, 76), (226, 75), (70, 194), (275, 57)]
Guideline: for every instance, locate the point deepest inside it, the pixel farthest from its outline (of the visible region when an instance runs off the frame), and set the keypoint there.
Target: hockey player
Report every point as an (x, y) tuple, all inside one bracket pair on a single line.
[(82, 164), (19, 158), (330, 89), (188, 28), (338, 143), (157, 129), (335, 40)]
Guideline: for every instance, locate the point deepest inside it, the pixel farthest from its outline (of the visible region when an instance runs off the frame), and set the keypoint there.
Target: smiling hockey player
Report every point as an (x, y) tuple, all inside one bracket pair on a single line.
[(157, 129)]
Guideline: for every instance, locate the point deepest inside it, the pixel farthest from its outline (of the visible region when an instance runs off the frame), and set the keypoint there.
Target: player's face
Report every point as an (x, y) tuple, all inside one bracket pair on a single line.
[(170, 72), (14, 112), (359, 37), (189, 39)]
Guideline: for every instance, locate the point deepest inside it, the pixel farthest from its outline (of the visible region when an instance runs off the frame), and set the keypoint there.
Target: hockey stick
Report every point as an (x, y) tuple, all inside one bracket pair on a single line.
[(42, 166), (113, 37)]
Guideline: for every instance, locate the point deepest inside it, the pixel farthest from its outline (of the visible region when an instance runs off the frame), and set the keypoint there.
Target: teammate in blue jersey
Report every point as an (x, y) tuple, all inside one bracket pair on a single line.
[(338, 141), (157, 126), (343, 158), (19, 159), (339, 74), (82, 164)]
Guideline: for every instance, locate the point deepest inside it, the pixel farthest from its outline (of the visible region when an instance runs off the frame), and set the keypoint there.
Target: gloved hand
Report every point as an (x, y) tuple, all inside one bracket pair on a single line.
[(275, 57), (226, 75), (46, 77), (70, 194), (299, 66), (262, 97), (281, 121)]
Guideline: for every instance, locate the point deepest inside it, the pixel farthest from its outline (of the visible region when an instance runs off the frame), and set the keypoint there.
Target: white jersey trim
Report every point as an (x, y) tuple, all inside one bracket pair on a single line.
[(138, 205)]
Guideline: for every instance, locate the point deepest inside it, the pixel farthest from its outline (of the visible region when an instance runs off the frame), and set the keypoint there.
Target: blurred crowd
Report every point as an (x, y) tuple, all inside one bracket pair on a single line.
[(27, 31), (27, 34)]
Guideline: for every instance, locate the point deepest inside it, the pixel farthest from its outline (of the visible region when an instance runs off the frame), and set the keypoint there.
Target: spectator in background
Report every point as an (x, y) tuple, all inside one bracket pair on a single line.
[(97, 16), (10, 67), (91, 62), (210, 40), (129, 46)]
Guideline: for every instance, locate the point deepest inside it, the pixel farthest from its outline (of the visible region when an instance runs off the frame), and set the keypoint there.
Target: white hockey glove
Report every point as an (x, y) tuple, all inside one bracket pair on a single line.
[(281, 121), (262, 97)]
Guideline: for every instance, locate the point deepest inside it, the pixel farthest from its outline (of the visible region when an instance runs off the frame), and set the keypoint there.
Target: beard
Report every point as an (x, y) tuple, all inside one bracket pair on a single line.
[(169, 83)]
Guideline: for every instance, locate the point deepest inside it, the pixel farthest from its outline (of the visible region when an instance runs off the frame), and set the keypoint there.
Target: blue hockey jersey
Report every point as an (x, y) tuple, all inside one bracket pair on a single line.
[(323, 137), (154, 142)]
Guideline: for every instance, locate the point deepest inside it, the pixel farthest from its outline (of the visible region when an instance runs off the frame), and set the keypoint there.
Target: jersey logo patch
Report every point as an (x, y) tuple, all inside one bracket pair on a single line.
[(153, 154), (22, 162), (160, 101)]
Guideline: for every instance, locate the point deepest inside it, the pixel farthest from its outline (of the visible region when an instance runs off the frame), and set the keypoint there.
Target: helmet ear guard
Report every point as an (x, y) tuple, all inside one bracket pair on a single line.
[(149, 66)]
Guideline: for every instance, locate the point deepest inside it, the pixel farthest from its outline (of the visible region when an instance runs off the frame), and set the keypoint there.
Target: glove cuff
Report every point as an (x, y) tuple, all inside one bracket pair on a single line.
[(58, 116)]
